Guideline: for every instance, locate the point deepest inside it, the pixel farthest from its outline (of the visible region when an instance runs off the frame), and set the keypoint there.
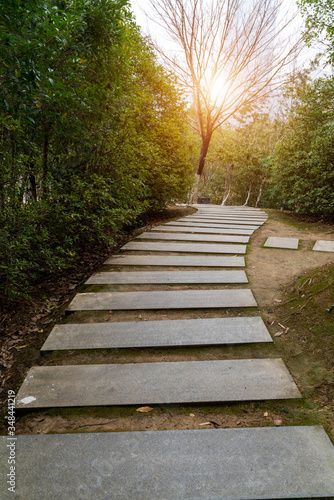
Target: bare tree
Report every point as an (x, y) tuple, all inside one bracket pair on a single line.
[(232, 55)]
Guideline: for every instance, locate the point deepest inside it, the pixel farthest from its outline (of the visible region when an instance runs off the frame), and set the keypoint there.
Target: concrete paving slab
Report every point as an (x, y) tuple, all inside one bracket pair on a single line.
[(167, 246), (156, 383), (211, 225), (229, 215), (276, 242), (186, 332), (175, 260), (203, 230), (222, 464), (223, 220), (167, 277), (324, 246), (214, 238), (231, 212), (178, 299)]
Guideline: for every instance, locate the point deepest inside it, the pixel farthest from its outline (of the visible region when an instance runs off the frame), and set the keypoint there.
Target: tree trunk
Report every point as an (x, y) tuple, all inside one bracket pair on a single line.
[(194, 194), (33, 190), (248, 195), (204, 150), (260, 193), (45, 160), (226, 197)]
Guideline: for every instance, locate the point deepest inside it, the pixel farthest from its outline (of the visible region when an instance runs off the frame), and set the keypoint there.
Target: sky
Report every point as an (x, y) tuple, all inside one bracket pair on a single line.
[(150, 28)]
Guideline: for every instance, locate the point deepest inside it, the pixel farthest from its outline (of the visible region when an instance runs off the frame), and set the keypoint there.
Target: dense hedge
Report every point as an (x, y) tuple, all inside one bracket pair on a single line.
[(92, 133), (303, 174)]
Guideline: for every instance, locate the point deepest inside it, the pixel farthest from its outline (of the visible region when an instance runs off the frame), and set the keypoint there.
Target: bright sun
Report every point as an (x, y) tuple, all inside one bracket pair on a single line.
[(218, 87)]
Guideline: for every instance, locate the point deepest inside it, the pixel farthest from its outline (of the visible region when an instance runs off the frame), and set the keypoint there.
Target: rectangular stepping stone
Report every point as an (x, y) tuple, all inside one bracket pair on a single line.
[(211, 225), (156, 383), (186, 332), (223, 210), (246, 215), (203, 230), (324, 246), (167, 277), (225, 464), (175, 260), (216, 238), (152, 246), (225, 220), (180, 299), (276, 242)]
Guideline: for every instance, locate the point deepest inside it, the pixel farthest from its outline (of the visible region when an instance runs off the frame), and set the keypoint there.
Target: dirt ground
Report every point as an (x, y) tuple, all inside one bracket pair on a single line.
[(293, 289)]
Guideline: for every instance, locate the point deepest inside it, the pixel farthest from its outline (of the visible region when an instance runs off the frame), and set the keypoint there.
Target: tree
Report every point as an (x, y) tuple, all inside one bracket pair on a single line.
[(91, 133), (233, 53), (319, 20), (238, 164), (303, 175)]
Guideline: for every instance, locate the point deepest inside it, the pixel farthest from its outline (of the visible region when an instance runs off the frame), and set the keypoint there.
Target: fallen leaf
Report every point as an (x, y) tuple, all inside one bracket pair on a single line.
[(191, 415), (278, 422), (266, 414), (21, 347), (278, 334), (145, 409), (140, 316)]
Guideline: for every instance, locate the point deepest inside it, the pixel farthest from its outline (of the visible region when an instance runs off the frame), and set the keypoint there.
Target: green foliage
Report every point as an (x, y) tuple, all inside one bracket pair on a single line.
[(91, 131), (319, 21), (238, 164), (303, 176)]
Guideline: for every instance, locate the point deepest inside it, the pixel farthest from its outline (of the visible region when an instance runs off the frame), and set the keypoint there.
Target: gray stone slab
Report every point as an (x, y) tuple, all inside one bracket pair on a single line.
[(276, 242), (224, 210), (179, 299), (223, 220), (222, 464), (245, 213), (168, 246), (186, 332), (324, 246), (215, 238), (156, 383), (203, 230), (204, 224), (167, 277), (229, 215), (175, 260)]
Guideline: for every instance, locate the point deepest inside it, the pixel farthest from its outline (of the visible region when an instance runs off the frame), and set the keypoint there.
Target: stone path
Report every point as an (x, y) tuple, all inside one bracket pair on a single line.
[(231, 464), (212, 238), (156, 383), (183, 222), (289, 243), (207, 230), (184, 299), (224, 464), (219, 331), (152, 246), (225, 220), (167, 277), (324, 246), (175, 261)]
